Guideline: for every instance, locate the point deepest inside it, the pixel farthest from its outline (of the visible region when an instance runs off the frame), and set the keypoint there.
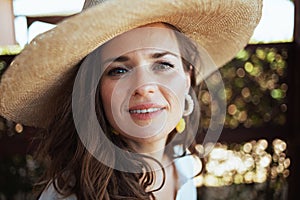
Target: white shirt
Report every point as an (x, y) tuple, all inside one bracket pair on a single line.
[(187, 167)]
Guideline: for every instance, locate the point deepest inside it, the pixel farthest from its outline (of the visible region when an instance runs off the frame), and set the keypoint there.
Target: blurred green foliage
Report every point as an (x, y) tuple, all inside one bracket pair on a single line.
[(256, 89), (10, 50), (3, 65), (18, 173)]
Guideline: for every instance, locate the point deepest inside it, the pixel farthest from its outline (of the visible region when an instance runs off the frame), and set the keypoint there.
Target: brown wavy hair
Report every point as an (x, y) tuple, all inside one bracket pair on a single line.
[(72, 169)]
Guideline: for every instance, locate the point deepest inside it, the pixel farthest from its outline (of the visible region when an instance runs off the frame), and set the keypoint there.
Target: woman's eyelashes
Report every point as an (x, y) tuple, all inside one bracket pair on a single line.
[(117, 71), (162, 66), (121, 70)]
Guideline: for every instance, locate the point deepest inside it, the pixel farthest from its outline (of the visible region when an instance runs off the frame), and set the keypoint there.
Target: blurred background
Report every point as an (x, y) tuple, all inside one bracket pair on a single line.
[(256, 155)]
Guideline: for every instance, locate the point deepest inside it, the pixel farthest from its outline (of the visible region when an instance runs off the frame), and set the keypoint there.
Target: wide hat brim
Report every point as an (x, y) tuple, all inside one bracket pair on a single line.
[(29, 87)]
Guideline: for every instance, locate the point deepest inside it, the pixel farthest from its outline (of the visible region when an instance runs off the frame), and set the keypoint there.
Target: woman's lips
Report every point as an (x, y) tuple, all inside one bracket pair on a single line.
[(145, 111)]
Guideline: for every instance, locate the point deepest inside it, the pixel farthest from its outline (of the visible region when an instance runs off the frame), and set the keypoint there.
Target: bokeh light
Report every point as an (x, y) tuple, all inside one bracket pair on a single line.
[(251, 162)]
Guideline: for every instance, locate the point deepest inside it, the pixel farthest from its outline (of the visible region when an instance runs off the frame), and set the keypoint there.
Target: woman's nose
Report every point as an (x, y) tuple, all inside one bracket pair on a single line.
[(144, 82), (145, 90)]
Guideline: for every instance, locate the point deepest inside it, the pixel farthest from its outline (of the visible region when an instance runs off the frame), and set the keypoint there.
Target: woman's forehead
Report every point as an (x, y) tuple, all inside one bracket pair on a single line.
[(149, 37), (146, 53)]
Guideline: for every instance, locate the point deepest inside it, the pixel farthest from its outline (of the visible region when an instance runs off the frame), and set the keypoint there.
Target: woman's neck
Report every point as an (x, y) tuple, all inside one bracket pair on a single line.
[(155, 149), (167, 175), (168, 190)]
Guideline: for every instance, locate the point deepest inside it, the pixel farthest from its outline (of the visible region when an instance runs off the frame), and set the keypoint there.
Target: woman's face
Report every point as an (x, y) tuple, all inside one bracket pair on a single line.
[(144, 84)]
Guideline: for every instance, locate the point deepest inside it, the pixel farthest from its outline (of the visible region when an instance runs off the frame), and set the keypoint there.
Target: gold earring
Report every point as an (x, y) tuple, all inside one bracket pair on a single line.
[(115, 132), (180, 126)]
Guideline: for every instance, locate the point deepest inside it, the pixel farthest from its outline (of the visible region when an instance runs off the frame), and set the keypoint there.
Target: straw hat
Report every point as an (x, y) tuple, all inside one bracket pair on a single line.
[(29, 86)]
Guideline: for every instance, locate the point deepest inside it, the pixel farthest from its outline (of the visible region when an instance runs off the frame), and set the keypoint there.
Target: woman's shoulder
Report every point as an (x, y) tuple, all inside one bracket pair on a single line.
[(187, 168), (50, 193)]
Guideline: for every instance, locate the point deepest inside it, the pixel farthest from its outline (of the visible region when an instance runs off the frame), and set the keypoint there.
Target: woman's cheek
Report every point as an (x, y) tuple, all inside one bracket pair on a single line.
[(106, 93)]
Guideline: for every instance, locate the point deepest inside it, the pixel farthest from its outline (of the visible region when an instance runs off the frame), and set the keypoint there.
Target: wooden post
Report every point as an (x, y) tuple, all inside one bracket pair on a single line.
[(294, 108), (295, 79), (297, 22), (7, 32)]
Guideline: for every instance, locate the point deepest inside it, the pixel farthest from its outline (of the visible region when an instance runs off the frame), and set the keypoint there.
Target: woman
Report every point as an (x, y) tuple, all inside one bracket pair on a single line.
[(114, 95)]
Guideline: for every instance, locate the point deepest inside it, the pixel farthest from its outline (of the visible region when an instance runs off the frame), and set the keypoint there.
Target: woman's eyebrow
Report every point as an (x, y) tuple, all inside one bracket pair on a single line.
[(125, 58), (116, 59), (162, 54)]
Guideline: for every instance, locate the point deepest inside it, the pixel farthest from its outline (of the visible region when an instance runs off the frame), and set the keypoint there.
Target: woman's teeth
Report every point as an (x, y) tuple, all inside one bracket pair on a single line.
[(149, 110)]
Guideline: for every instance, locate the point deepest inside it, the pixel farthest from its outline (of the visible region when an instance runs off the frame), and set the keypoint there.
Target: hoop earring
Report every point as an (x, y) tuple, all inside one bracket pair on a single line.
[(190, 105)]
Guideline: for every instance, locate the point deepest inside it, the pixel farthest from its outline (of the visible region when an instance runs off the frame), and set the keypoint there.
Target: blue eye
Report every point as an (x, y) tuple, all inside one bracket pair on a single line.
[(163, 66), (118, 71)]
